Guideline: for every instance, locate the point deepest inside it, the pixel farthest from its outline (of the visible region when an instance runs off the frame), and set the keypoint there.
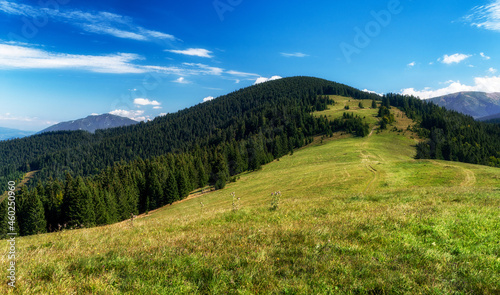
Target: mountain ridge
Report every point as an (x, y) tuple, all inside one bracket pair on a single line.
[(91, 123), (472, 103), (11, 133)]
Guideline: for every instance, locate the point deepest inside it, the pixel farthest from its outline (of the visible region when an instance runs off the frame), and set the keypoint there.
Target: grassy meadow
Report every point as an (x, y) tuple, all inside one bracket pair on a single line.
[(356, 216)]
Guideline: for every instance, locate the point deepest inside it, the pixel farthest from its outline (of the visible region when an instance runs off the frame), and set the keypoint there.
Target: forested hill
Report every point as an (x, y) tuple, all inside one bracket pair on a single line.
[(450, 135), (87, 180), (272, 107)]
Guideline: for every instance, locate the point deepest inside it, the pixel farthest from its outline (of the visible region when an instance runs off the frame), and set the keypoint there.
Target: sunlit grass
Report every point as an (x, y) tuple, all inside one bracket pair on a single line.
[(356, 216)]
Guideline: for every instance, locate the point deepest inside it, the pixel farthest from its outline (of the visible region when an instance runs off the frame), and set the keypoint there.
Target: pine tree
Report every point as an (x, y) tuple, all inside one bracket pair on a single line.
[(374, 104), (220, 171), (4, 219), (183, 182), (34, 218), (171, 191), (202, 174)]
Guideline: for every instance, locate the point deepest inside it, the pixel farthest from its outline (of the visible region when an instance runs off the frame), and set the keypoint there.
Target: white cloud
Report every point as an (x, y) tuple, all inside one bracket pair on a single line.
[(486, 16), (19, 57), (200, 52), (482, 84), (208, 98), (373, 92), (181, 80), (157, 108), (104, 29), (104, 23), (296, 54), (94, 114), (492, 70), (197, 69), (137, 115), (263, 80), (484, 56), (146, 102), (30, 57), (455, 58), (412, 64), (242, 74)]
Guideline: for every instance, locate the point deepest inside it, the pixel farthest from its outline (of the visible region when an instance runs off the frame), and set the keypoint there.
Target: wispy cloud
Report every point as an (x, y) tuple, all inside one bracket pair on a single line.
[(486, 16), (146, 102), (492, 70), (296, 54), (21, 57), (31, 57), (137, 115), (454, 58), (200, 52), (181, 80), (103, 23), (483, 84), (484, 56), (412, 64), (203, 69), (242, 74)]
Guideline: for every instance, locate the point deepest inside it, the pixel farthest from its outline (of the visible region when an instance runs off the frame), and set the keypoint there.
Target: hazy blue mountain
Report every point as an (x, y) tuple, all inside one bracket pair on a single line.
[(8, 133), (92, 123), (475, 104), (491, 119)]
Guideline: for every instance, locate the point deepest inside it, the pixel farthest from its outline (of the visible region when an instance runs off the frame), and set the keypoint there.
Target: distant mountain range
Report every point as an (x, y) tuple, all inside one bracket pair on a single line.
[(92, 123), (8, 133), (479, 105)]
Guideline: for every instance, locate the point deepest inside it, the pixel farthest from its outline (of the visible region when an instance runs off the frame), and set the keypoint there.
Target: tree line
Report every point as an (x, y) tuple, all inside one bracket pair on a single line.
[(450, 135), (135, 169)]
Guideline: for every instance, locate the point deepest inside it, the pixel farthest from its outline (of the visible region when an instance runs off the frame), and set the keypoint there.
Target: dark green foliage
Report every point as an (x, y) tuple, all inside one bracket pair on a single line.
[(361, 106), (451, 135), (33, 215), (374, 104), (105, 177), (385, 116), (3, 219)]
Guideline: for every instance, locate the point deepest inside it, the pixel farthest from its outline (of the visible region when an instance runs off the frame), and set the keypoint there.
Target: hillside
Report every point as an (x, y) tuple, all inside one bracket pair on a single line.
[(491, 119), (273, 107), (475, 104), (93, 180), (357, 215), (9, 133), (91, 123)]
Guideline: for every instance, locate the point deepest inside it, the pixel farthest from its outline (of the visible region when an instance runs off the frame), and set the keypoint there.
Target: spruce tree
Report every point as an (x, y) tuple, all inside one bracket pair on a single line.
[(34, 221), (171, 190)]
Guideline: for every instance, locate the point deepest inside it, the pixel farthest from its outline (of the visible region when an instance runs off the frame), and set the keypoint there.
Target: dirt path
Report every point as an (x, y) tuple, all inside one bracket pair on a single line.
[(469, 175), (27, 177), (365, 159)]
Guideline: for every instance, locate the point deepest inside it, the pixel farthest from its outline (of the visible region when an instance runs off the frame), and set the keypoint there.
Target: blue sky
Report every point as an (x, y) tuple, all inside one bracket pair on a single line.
[(66, 59)]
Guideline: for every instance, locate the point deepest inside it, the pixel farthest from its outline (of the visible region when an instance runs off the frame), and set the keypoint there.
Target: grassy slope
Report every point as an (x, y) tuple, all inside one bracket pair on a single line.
[(358, 215)]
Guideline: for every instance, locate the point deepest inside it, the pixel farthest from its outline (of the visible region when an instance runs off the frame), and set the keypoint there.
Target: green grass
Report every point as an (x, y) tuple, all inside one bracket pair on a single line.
[(337, 110), (356, 216)]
